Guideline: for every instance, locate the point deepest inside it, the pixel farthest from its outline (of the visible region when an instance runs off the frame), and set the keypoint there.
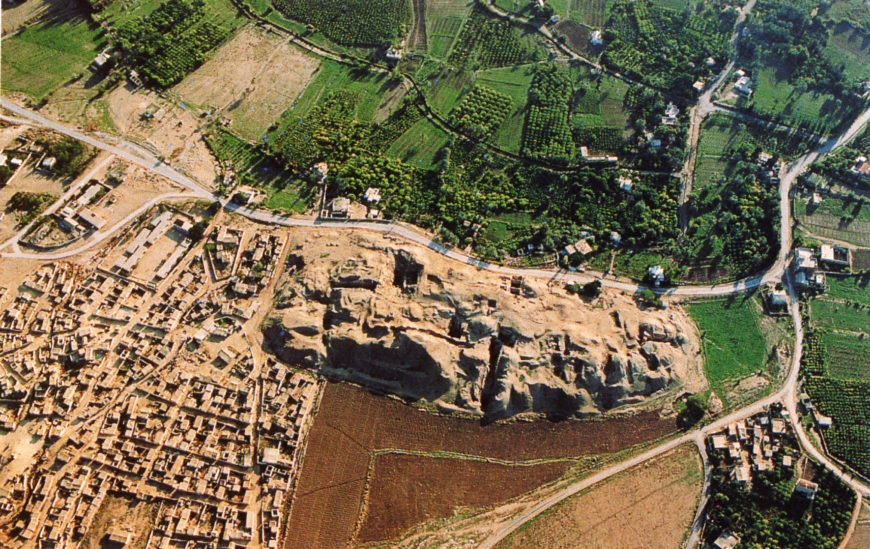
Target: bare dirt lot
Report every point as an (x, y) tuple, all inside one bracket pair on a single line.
[(16, 16), (861, 536), (578, 36), (255, 77), (406, 489), (118, 513), (352, 422), (651, 505), (283, 76)]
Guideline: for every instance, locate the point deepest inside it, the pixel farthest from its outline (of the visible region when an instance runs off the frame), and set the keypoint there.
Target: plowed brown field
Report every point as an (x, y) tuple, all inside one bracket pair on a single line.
[(352, 422), (406, 489)]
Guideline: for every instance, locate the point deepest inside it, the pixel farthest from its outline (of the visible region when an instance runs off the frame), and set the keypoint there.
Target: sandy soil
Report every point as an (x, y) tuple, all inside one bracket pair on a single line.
[(21, 446), (649, 506), (173, 132), (405, 490), (16, 16), (230, 70), (139, 186), (122, 514), (271, 88), (28, 180), (861, 536)]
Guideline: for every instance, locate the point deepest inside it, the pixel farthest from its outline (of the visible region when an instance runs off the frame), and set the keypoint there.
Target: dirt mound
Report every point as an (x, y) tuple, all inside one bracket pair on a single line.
[(405, 321)]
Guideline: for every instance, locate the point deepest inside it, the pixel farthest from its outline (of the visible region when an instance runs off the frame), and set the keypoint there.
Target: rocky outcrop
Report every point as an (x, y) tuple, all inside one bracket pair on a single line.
[(395, 322)]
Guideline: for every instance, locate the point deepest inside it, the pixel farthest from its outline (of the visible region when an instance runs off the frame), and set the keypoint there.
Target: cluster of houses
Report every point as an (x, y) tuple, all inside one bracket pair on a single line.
[(809, 266), (73, 219), (160, 226), (860, 166), (762, 442), (132, 378)]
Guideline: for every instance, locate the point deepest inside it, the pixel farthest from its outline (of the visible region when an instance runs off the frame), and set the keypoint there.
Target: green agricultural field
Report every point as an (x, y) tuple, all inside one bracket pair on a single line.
[(119, 12), (847, 356), (855, 12), (445, 88), (515, 82), (733, 345), (836, 218), (590, 12), (419, 145), (850, 48), (44, 56), (850, 288), (721, 134), (635, 263), (444, 19), (332, 76), (839, 316), (253, 167), (351, 22), (775, 96), (847, 402), (486, 41)]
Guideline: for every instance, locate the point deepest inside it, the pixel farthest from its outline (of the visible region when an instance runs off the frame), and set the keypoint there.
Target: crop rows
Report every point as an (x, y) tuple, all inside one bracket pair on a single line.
[(351, 22), (848, 403), (847, 356), (170, 42), (481, 111), (547, 132), (600, 138), (167, 67), (490, 42), (656, 44)]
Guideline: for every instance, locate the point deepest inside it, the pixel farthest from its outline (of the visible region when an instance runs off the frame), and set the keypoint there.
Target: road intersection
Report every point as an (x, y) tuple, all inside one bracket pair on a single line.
[(776, 272)]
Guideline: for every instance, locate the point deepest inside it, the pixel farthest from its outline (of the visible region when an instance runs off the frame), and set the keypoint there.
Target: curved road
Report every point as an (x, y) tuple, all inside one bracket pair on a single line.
[(787, 393)]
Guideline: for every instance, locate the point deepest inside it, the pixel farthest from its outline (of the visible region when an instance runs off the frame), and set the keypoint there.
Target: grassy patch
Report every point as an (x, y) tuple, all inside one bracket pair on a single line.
[(634, 263), (850, 288), (733, 345), (253, 167), (444, 20), (42, 57), (776, 96), (419, 145), (850, 48), (847, 355), (332, 76), (836, 218), (839, 316)]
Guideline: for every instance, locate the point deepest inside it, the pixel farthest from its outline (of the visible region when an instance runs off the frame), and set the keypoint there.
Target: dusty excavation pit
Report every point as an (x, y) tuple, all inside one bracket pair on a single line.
[(402, 320)]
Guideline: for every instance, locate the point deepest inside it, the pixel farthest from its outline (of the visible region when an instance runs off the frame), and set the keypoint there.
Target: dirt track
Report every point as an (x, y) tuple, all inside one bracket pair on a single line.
[(417, 37), (352, 422)]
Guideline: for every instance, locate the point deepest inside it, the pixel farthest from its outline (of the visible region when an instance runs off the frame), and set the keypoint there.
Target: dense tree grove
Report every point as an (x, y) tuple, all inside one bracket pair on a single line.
[(351, 22), (169, 42), (664, 47), (547, 133), (736, 225), (796, 41), (771, 515), (70, 154)]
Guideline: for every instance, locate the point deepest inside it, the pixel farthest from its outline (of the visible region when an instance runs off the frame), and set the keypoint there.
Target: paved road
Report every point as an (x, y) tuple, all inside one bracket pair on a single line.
[(786, 393), (98, 236), (127, 151), (73, 189)]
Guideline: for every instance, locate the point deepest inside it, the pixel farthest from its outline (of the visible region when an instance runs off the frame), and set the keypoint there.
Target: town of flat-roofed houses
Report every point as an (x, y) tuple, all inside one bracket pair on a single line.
[(417, 274)]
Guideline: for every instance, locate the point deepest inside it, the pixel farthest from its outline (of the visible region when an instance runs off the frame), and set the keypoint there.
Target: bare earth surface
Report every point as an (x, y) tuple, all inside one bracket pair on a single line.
[(650, 506), (861, 536), (406, 489)]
